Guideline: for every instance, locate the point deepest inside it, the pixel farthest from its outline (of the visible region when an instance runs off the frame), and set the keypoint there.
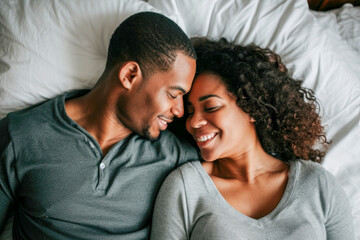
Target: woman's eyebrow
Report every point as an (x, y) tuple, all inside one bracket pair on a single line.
[(188, 103), (208, 96)]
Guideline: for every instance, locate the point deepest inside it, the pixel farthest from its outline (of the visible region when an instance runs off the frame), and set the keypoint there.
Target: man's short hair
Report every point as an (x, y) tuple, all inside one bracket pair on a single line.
[(150, 39)]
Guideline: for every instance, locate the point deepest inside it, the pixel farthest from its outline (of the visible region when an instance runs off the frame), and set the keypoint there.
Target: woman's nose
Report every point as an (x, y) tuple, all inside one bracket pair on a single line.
[(197, 121)]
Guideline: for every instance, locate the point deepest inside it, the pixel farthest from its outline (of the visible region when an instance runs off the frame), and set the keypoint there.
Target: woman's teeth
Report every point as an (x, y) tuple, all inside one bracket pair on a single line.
[(205, 138)]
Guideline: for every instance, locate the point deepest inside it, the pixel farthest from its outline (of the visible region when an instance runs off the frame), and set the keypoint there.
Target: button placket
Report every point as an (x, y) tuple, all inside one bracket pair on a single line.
[(103, 176), (92, 146), (102, 166)]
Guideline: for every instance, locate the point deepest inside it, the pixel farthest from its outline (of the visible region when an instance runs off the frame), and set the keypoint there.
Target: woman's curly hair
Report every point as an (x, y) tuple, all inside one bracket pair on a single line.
[(286, 114)]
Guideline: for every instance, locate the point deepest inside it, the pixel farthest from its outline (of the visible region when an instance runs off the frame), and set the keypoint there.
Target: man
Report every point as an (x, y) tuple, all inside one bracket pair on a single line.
[(88, 164)]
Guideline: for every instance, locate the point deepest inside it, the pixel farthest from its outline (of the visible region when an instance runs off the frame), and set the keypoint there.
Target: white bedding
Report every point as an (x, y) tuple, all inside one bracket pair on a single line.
[(343, 22), (48, 47)]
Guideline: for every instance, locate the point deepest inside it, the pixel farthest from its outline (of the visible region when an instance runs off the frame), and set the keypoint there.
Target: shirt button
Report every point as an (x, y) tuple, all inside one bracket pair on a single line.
[(102, 165)]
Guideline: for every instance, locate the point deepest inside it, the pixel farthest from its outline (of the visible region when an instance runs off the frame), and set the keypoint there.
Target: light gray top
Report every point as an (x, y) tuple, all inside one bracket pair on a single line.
[(313, 206)]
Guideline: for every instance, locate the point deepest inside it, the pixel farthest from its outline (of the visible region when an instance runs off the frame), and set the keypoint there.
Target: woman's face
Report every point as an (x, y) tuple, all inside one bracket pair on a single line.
[(220, 128)]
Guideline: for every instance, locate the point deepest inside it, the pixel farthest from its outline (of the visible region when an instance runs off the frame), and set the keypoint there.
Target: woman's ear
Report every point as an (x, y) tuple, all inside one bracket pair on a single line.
[(252, 120), (129, 73)]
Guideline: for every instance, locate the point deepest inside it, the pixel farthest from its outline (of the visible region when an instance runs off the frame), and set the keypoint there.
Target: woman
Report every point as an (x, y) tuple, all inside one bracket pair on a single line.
[(261, 139)]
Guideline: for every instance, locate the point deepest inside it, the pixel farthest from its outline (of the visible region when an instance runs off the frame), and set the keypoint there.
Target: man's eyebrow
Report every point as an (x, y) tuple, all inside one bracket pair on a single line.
[(178, 88)]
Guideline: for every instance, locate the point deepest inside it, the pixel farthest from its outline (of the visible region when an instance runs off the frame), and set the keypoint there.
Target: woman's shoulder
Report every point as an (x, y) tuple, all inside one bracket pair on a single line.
[(317, 185), (184, 171), (190, 170), (312, 168), (315, 174), (190, 176)]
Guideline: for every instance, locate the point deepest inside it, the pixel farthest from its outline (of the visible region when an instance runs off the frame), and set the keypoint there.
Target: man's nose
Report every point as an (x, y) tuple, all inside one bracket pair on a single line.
[(178, 108)]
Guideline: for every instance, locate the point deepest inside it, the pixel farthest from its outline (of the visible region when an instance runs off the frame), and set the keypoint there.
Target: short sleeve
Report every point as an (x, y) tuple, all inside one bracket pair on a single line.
[(7, 177), (339, 222), (186, 152), (191, 153), (170, 217)]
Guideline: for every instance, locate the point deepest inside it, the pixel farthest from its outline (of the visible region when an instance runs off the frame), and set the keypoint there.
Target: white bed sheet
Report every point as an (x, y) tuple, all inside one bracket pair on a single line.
[(48, 47)]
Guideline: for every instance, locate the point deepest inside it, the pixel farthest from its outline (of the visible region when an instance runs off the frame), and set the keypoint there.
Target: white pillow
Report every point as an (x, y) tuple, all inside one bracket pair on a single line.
[(344, 21), (49, 46), (326, 64)]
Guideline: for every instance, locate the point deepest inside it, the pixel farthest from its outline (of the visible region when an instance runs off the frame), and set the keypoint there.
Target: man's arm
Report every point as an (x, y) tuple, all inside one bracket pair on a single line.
[(5, 210), (6, 173)]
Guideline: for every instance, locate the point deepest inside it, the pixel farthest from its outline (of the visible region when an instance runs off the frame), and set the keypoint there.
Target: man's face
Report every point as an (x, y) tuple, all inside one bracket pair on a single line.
[(159, 98)]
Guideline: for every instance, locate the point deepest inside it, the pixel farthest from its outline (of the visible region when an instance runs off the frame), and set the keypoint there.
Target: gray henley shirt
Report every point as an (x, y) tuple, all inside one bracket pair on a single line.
[(60, 186)]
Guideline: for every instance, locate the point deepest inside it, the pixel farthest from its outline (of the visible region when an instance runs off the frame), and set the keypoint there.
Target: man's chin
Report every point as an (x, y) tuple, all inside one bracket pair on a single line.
[(149, 135)]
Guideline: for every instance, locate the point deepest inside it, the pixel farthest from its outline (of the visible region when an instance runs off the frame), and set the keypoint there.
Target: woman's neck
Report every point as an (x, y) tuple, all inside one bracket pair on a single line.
[(246, 167)]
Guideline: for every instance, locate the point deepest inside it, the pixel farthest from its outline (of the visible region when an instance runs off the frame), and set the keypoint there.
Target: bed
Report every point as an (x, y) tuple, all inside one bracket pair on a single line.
[(48, 47)]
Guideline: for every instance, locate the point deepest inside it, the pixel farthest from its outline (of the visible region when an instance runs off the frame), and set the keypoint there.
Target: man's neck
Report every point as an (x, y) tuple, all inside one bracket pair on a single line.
[(97, 115)]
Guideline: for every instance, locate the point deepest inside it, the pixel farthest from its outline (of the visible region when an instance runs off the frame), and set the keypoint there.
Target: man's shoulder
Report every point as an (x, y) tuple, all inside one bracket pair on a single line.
[(165, 138), (174, 144), (168, 139), (22, 121), (28, 110), (4, 133), (166, 148), (168, 135)]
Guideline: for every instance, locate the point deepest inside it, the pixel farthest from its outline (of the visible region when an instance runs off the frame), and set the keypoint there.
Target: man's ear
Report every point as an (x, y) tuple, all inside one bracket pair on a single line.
[(129, 73)]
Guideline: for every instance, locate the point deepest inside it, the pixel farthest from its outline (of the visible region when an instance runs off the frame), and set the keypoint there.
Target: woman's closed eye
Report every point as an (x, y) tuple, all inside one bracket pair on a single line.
[(212, 109), (190, 112)]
